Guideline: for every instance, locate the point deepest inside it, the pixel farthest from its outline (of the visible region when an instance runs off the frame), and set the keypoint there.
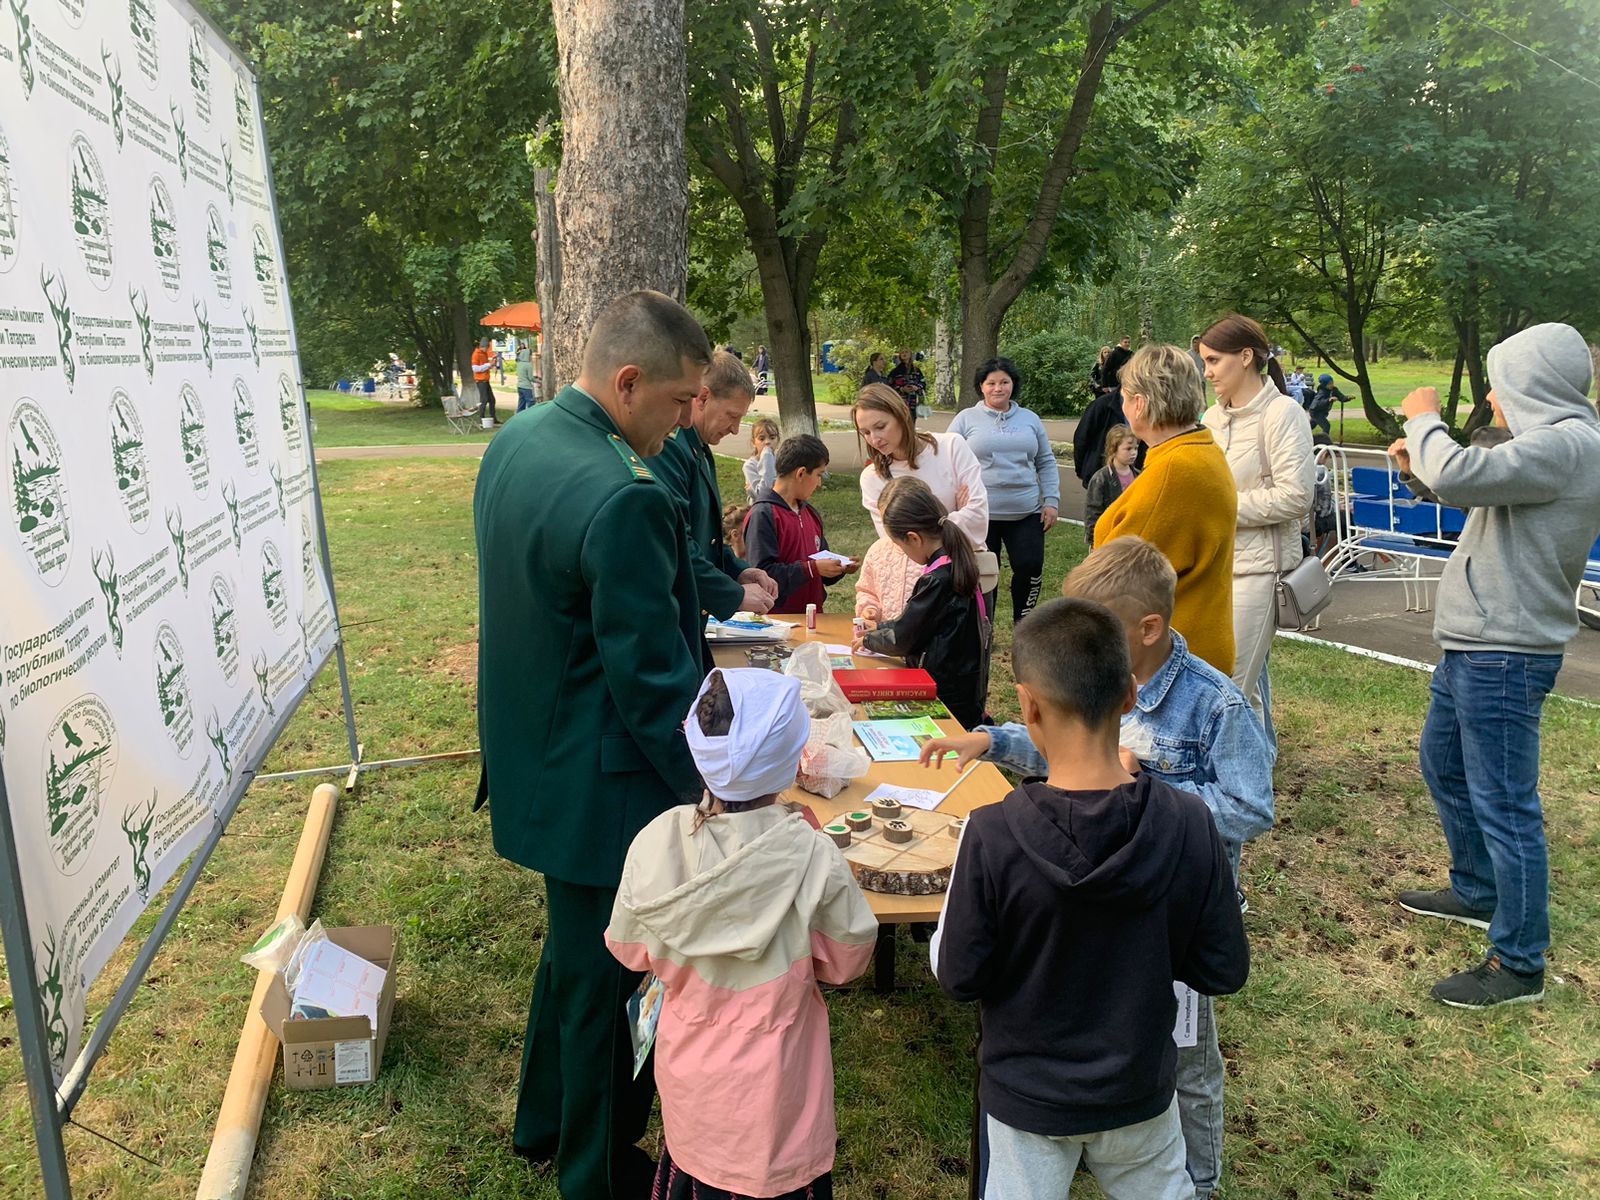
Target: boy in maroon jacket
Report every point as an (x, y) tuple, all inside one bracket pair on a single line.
[(783, 530)]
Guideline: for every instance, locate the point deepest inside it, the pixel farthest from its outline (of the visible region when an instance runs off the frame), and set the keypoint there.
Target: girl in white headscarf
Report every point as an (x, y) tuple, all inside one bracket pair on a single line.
[(741, 908)]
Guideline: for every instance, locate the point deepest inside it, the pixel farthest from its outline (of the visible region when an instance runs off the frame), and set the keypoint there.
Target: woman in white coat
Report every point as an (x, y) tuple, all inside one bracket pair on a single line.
[(1267, 440)]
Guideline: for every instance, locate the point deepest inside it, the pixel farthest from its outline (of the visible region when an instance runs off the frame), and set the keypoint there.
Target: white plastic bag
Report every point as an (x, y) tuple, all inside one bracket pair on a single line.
[(811, 666), (829, 762), (275, 947), (313, 935)]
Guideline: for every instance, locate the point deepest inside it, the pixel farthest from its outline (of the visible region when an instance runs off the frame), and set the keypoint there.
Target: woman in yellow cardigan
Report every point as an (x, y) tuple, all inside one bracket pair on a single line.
[(1185, 502)]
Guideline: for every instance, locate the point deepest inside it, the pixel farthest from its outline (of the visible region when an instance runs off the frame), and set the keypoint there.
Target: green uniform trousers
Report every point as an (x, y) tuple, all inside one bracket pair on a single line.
[(579, 1103)]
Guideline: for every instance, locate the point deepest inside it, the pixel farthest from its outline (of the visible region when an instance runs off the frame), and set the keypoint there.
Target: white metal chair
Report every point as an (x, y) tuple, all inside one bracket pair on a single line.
[(458, 415)]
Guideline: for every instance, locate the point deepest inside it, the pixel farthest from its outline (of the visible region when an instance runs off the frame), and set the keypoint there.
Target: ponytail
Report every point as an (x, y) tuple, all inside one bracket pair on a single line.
[(909, 506), (1276, 373)]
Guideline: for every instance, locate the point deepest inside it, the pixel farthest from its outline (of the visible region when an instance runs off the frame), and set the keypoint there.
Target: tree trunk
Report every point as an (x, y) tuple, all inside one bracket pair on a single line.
[(1454, 402), (1594, 358), (788, 337), (461, 339), (547, 243), (945, 364), (980, 328), (622, 194)]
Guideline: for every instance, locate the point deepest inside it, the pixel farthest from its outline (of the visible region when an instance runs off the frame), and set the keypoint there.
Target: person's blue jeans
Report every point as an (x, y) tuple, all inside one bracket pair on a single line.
[(1480, 758), (524, 398)]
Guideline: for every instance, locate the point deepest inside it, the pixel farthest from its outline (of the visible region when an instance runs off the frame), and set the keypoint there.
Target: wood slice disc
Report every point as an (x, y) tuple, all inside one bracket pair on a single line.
[(918, 867)]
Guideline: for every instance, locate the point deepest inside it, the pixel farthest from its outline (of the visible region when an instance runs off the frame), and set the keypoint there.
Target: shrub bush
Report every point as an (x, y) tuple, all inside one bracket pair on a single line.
[(1055, 368)]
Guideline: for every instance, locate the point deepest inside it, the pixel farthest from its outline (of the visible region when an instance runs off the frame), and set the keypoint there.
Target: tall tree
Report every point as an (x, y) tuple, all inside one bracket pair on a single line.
[(622, 194)]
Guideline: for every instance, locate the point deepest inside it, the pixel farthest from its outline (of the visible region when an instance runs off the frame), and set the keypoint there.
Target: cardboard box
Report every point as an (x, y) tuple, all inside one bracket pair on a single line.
[(335, 1051)]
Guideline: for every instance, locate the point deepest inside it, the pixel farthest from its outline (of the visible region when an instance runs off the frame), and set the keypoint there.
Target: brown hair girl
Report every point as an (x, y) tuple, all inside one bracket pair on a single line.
[(1234, 334), (881, 398), (909, 506)]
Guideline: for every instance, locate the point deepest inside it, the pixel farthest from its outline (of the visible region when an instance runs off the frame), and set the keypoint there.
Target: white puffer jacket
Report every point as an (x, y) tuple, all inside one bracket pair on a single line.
[(1282, 423)]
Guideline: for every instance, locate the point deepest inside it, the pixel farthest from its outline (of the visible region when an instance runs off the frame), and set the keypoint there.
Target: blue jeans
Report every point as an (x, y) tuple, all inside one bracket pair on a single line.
[(1200, 1071), (1480, 758), (524, 398)]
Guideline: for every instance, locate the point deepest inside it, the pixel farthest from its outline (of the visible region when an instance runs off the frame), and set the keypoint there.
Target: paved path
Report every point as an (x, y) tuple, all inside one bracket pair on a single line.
[(1369, 616)]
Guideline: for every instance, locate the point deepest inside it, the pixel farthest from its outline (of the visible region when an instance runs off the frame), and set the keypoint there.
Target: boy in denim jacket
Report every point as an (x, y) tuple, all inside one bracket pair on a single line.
[(1191, 728)]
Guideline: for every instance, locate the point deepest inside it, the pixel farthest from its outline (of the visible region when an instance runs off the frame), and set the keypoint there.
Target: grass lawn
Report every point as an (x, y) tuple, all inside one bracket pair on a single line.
[(1344, 1080), (343, 420)]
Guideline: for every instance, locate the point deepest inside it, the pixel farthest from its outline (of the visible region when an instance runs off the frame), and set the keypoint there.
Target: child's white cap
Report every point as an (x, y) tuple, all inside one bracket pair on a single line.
[(761, 750)]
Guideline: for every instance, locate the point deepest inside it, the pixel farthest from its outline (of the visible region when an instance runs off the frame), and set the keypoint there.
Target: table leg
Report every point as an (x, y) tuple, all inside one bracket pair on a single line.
[(883, 959)]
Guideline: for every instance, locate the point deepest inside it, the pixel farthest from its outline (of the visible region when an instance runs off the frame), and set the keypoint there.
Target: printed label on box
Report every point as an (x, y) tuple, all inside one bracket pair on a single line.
[(352, 1062)]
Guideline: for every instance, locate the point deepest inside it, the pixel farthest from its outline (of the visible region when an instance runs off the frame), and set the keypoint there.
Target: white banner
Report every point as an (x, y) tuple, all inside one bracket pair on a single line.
[(164, 598)]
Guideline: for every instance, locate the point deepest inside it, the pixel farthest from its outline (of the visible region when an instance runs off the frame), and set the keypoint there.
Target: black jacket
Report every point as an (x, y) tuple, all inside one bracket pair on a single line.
[(947, 635), (1068, 917), (1104, 488), (1089, 438)]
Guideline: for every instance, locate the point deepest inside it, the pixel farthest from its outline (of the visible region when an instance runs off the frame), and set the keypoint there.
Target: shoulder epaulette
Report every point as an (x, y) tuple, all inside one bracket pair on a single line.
[(633, 461)]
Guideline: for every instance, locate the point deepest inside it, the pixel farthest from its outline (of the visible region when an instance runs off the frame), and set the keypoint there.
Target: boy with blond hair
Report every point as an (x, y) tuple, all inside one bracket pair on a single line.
[(1191, 728)]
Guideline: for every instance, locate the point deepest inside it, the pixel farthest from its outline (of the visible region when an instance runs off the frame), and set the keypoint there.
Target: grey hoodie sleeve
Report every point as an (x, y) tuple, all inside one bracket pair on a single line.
[(1533, 468), (1045, 463)]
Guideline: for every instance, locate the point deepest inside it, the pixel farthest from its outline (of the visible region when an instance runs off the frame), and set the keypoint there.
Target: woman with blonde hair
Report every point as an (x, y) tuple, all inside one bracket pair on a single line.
[(1184, 502), (1267, 441)]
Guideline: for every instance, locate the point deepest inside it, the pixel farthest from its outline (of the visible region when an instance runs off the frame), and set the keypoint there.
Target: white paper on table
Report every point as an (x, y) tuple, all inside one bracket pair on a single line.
[(830, 556), (345, 984), (833, 649), (910, 797), (1184, 1030)]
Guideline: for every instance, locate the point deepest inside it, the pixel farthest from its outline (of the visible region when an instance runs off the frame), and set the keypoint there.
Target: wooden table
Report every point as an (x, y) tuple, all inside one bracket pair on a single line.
[(985, 785)]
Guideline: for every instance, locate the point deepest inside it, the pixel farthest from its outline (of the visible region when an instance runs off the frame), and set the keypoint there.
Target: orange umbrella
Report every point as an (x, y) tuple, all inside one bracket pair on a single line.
[(515, 316)]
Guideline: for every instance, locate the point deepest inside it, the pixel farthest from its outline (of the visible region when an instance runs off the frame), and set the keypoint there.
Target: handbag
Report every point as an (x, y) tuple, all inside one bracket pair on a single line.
[(988, 569), (1304, 590)]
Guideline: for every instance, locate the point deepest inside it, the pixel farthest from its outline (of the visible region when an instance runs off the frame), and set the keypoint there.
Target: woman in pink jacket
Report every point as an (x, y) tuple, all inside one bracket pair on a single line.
[(741, 908)]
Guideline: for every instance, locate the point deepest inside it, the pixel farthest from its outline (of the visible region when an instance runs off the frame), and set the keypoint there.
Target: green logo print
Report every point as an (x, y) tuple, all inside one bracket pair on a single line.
[(272, 584), (180, 545), (79, 762), (141, 316), (33, 501), (199, 68), (52, 997), (305, 634), (105, 573), (128, 462), (164, 236), (91, 213), (113, 69), (8, 211), (137, 821), (219, 742), (308, 550), (24, 23), (217, 254), (142, 21), (183, 140), (230, 499), (192, 437), (241, 105), (261, 255), (227, 170), (61, 311), (258, 664), (277, 486), (172, 689), (224, 627), (244, 426), (39, 491), (204, 325), (255, 338)]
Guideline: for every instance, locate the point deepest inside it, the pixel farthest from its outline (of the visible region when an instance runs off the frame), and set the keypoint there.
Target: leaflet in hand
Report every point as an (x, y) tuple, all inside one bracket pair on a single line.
[(830, 556)]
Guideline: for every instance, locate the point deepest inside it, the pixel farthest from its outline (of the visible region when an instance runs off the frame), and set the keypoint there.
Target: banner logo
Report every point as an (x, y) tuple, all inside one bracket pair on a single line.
[(140, 301), (53, 997), (128, 460), (217, 254), (244, 426), (91, 215), (272, 584), (39, 492), (142, 24), (308, 554), (227, 171), (192, 437), (113, 69), (8, 209), (230, 500), (203, 324), (218, 737), (105, 573), (182, 137), (80, 757), (61, 311), (258, 664), (289, 413), (255, 335), (180, 545), (24, 24), (200, 74), (172, 689), (225, 627), (277, 486), (137, 821), (164, 236), (265, 264)]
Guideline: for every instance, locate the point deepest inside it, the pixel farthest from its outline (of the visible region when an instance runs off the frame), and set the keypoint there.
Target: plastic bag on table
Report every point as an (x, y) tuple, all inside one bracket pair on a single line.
[(811, 666), (275, 947), (829, 762)]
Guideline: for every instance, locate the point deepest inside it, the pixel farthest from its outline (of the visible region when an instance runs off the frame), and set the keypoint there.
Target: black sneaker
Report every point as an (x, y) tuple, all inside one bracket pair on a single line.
[(1443, 904), (1489, 984)]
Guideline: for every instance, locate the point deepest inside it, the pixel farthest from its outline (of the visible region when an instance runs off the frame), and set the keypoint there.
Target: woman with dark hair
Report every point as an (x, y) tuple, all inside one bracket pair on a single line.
[(1267, 441), (1020, 473), (877, 369), (1104, 411)]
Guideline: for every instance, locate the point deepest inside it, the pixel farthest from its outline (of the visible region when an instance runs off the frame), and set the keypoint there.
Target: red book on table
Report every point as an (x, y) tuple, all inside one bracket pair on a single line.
[(904, 683)]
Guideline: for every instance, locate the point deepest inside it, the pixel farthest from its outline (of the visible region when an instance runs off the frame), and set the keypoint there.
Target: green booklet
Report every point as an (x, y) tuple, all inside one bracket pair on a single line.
[(897, 741), (895, 710)]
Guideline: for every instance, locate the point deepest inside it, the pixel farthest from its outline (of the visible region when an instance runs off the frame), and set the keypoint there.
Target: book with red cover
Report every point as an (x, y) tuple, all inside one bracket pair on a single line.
[(904, 683)]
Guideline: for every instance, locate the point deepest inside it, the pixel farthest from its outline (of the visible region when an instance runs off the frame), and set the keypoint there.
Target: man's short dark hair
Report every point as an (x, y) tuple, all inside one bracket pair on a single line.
[(1073, 656), (648, 329), (801, 450)]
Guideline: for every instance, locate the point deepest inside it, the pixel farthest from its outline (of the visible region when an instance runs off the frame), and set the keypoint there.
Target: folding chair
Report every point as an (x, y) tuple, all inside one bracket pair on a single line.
[(459, 417)]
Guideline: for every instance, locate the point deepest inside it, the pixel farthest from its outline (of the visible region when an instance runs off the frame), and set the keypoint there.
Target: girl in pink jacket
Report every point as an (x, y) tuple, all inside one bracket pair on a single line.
[(741, 908)]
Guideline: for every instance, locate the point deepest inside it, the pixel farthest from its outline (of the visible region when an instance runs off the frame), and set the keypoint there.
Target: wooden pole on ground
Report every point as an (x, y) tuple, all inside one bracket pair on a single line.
[(233, 1144)]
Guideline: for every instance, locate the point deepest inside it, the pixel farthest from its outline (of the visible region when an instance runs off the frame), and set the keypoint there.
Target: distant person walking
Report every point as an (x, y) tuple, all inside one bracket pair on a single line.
[(527, 381), (482, 364)]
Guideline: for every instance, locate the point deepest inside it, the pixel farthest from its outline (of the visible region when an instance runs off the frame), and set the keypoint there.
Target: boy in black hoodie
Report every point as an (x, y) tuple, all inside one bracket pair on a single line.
[(1074, 905)]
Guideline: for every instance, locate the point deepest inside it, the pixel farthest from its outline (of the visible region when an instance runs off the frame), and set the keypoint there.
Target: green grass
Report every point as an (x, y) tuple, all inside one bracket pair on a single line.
[(343, 420), (1344, 1080)]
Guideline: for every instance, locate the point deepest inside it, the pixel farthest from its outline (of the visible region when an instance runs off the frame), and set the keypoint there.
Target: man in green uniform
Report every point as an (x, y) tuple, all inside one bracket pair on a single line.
[(726, 583), (588, 661)]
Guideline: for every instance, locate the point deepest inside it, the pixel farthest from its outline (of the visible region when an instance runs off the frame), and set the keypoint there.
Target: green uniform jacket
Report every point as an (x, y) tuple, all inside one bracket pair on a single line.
[(687, 466), (588, 628)]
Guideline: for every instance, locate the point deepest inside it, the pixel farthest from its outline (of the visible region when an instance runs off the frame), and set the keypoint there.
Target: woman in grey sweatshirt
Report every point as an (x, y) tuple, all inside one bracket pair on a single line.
[(1020, 472), (1504, 615)]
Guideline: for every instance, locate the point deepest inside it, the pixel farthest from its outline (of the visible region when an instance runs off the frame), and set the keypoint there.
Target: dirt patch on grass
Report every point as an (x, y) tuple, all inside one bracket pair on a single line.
[(459, 661)]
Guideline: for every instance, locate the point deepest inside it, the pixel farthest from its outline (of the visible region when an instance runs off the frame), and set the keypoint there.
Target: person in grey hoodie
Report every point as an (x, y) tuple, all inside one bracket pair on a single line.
[(1504, 616), (1020, 473)]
